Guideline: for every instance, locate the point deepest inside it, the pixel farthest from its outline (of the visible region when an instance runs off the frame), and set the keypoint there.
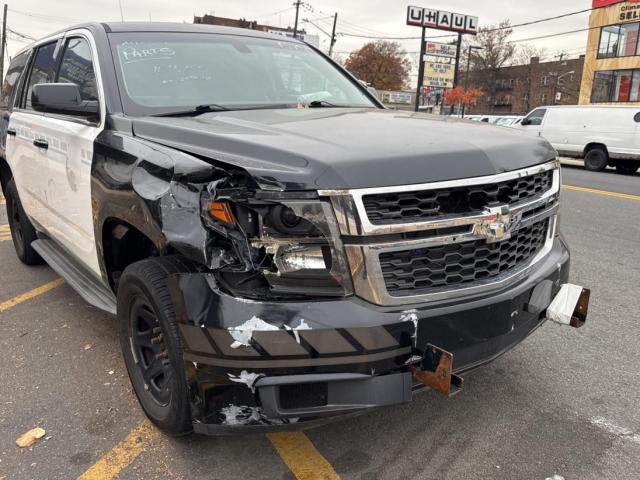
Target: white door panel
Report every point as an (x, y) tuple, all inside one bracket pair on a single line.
[(29, 169), (68, 187)]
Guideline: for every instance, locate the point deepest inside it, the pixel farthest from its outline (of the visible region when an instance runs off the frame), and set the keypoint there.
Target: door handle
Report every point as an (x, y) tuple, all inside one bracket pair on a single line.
[(11, 131), (41, 143)]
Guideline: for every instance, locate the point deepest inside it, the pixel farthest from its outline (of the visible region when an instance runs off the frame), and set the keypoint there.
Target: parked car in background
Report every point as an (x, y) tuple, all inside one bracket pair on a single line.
[(508, 120), (602, 135)]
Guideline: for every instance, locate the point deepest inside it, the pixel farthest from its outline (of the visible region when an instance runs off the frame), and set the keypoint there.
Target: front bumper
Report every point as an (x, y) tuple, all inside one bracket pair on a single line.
[(308, 361)]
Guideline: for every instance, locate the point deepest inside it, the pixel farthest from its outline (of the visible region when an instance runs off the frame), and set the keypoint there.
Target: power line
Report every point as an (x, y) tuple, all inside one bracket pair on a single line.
[(22, 35), (524, 24)]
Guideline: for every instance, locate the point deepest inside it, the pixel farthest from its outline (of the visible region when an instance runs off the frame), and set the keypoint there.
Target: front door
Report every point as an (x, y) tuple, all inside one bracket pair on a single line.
[(69, 154)]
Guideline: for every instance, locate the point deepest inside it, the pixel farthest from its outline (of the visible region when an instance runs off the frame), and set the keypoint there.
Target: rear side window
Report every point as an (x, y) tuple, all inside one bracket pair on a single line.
[(77, 67), (42, 71), (11, 80)]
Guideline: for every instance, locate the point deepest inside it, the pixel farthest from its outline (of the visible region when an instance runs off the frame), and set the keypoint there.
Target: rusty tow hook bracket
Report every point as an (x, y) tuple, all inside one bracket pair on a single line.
[(437, 371)]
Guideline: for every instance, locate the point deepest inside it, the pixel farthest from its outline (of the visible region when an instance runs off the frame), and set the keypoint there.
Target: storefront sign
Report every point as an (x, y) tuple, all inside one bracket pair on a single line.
[(629, 12), (442, 20), (440, 49), (438, 75)]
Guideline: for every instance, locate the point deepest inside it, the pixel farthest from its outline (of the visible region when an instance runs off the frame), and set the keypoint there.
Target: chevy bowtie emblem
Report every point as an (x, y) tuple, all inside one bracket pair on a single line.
[(498, 223)]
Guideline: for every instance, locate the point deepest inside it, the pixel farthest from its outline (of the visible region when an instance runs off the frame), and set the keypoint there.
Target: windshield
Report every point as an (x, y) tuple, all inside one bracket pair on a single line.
[(169, 72)]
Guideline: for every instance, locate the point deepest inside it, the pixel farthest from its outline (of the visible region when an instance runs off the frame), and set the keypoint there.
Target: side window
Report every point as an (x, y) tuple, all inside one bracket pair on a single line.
[(42, 70), (77, 67), (535, 118), (12, 79)]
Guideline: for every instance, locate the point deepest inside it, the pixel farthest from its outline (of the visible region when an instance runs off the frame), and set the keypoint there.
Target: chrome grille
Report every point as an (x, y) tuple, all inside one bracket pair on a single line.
[(416, 271), (466, 237), (404, 207)]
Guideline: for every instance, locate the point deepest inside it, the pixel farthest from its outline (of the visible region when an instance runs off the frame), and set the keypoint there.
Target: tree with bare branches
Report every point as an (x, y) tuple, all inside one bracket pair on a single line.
[(496, 52)]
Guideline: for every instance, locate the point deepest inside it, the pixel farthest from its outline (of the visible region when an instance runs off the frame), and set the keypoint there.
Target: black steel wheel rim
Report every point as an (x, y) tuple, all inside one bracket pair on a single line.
[(16, 224), (149, 351)]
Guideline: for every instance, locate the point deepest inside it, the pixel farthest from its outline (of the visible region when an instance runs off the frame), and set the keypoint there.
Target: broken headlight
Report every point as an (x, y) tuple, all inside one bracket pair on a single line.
[(302, 241)]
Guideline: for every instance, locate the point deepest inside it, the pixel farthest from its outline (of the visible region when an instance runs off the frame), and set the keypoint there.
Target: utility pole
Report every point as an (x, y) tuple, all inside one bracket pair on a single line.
[(466, 76), (423, 48), (295, 25), (3, 44), (456, 68), (333, 34)]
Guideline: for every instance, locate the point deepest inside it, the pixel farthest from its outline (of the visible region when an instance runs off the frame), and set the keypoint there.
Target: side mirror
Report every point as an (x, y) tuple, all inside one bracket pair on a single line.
[(64, 98), (525, 122), (373, 92)]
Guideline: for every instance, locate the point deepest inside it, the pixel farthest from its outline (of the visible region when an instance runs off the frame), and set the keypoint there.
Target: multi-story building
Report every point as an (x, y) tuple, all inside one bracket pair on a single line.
[(612, 66), (518, 89)]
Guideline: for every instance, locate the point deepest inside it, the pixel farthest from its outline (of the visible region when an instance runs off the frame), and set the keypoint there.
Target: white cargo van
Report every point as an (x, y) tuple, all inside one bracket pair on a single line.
[(602, 135)]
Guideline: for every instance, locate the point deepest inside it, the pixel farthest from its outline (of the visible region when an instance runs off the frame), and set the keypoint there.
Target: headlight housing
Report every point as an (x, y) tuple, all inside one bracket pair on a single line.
[(304, 242), (294, 246)]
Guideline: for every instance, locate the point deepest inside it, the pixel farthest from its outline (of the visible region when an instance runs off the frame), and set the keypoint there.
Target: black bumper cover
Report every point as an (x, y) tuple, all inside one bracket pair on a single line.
[(353, 356)]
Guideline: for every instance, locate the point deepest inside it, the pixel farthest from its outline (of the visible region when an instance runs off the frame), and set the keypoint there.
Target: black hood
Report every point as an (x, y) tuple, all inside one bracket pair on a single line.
[(336, 148)]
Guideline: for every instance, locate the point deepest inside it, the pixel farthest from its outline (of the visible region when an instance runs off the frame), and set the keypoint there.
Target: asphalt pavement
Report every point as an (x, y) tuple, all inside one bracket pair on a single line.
[(563, 404)]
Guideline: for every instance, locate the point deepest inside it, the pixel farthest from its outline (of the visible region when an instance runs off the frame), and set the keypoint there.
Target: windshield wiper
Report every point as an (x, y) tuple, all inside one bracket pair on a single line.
[(321, 104), (199, 110)]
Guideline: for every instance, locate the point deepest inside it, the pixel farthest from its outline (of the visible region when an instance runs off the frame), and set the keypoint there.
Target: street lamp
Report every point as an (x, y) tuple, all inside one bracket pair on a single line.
[(466, 76), (558, 77)]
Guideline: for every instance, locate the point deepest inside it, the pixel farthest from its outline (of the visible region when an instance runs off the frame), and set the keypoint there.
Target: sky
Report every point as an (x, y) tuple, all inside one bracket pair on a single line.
[(37, 18)]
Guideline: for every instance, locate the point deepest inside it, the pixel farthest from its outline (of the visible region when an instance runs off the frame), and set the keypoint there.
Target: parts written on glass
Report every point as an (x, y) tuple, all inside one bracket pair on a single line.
[(616, 86), (619, 41)]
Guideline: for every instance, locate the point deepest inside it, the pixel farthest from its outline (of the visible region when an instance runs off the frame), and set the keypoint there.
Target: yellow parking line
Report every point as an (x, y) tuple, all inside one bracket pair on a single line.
[(5, 233), (23, 297), (302, 457), (626, 196), (121, 456)]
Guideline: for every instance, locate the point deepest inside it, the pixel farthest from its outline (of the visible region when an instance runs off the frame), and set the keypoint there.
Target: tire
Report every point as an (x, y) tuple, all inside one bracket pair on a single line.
[(151, 343), (22, 231), (627, 167), (596, 159)]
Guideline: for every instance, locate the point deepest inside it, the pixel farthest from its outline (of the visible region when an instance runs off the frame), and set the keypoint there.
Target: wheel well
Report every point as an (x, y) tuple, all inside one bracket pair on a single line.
[(592, 146), (5, 174), (123, 245)]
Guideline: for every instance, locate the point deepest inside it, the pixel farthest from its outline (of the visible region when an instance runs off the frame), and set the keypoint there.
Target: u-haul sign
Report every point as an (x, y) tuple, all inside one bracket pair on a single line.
[(442, 20)]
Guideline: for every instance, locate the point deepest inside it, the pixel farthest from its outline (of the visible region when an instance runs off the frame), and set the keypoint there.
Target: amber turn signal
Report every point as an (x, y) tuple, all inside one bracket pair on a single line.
[(221, 211)]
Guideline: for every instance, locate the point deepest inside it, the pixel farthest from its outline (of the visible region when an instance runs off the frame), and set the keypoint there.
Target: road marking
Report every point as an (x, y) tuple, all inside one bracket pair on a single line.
[(23, 297), (626, 196), (121, 456), (5, 233), (302, 457), (622, 432)]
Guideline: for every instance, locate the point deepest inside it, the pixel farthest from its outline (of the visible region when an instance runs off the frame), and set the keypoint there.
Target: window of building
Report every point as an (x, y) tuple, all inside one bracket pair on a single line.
[(619, 40), (543, 98), (545, 80), (616, 86)]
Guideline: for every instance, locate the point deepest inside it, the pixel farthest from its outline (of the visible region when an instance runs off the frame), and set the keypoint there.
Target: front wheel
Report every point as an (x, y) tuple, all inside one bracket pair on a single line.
[(151, 344), (627, 167), (596, 159)]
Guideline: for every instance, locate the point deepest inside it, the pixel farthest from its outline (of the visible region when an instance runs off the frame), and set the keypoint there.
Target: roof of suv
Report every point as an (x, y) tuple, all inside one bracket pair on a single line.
[(180, 27), (119, 27)]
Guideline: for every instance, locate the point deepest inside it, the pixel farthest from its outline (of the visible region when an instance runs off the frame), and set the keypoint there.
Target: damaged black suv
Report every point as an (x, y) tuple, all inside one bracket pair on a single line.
[(278, 247)]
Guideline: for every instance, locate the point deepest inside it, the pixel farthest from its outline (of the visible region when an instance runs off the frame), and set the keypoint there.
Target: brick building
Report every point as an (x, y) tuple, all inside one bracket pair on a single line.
[(253, 25), (521, 88)]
